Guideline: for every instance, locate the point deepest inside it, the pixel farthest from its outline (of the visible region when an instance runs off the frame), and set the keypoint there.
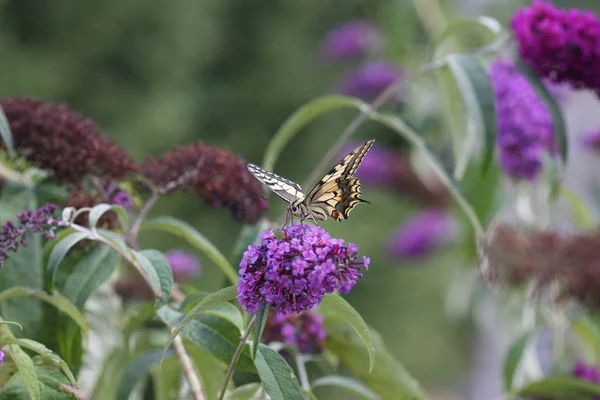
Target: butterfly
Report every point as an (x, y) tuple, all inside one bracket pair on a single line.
[(336, 194)]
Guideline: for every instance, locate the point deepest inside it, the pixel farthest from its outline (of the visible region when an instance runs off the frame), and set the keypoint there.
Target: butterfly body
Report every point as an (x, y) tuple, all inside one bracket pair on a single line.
[(335, 195)]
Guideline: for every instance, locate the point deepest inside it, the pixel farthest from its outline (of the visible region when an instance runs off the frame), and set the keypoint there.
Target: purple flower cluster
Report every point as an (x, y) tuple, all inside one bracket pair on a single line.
[(421, 234), (562, 45), (14, 235), (380, 166), (1, 357), (587, 373), (350, 41), (302, 330), (371, 79), (294, 273), (119, 197), (524, 123), (184, 265)]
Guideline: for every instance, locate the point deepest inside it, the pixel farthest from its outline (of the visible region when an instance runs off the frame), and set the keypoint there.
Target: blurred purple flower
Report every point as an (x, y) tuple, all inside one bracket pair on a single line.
[(562, 45), (303, 330), (1, 357), (295, 273), (13, 236), (119, 197), (587, 373), (184, 265), (379, 167), (421, 234), (591, 140), (524, 123), (350, 41), (371, 79)]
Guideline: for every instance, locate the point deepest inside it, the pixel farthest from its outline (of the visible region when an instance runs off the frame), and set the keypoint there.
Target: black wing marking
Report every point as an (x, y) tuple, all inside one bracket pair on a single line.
[(284, 188)]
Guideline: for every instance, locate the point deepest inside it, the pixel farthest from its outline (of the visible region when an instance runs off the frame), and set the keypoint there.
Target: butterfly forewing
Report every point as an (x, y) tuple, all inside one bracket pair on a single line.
[(284, 188)]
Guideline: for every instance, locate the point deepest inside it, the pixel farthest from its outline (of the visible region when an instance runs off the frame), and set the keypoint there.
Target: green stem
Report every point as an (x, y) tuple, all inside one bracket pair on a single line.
[(302, 375), (236, 356)]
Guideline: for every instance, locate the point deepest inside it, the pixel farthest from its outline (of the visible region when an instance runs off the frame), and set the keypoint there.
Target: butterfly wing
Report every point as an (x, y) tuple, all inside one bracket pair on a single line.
[(339, 191), (284, 188)]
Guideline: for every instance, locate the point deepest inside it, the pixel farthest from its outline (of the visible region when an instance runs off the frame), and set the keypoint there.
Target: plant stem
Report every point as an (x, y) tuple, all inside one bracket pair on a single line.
[(132, 235), (302, 375), (236, 356), (188, 368)]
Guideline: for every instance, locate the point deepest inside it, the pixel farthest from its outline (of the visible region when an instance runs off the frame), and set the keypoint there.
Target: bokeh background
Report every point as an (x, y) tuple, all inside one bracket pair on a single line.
[(158, 73)]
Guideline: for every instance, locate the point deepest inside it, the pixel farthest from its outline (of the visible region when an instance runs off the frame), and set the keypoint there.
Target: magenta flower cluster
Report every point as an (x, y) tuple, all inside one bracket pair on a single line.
[(371, 79), (524, 123), (294, 273), (421, 234), (14, 235), (184, 265), (561, 45), (303, 330), (351, 40), (587, 373)]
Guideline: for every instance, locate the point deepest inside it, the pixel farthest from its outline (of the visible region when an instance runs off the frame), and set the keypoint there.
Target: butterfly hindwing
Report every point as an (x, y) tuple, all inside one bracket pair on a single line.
[(284, 188)]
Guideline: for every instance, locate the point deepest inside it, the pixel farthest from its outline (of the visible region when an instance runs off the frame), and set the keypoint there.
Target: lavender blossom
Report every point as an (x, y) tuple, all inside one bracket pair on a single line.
[(351, 40), (303, 330), (371, 79), (562, 45), (184, 265), (119, 197), (380, 167), (421, 234), (1, 357), (295, 273), (14, 235), (524, 123)]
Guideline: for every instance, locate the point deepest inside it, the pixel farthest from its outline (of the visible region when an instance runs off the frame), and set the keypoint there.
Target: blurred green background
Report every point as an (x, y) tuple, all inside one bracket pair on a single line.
[(156, 73)]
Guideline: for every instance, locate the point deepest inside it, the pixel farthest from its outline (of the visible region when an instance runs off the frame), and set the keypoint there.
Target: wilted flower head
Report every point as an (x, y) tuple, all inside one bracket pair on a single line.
[(371, 79), (562, 45), (350, 41), (14, 235), (303, 330), (82, 198), (294, 273), (184, 265), (421, 234), (524, 123), (57, 138), (517, 256), (217, 175)]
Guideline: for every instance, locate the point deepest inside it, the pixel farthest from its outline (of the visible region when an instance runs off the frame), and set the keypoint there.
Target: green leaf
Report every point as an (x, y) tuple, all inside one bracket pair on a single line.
[(50, 381), (135, 371), (389, 379), (110, 374), (478, 94), (59, 251), (196, 239), (56, 299), (558, 123), (488, 25), (589, 332), (300, 118), (259, 326), (348, 384), (89, 274), (164, 272), (248, 235), (583, 215), (225, 310), (98, 211), (513, 358), (276, 375), (25, 366), (140, 315), (560, 387), (210, 370), (167, 379), (42, 350), (217, 336), (250, 391), (334, 306), (150, 271), (12, 323), (6, 133), (211, 300)]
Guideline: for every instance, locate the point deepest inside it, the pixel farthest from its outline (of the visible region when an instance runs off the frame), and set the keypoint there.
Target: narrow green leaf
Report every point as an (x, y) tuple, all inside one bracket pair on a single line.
[(259, 326), (165, 274), (210, 370), (42, 350), (558, 123), (111, 372), (490, 26), (135, 371), (513, 358), (150, 271), (166, 379), (99, 210), (134, 321), (56, 299), (250, 391), (562, 387), (300, 118), (58, 253), (12, 323), (276, 375), (50, 380), (224, 310), (211, 300), (115, 239), (348, 384), (478, 95), (25, 366), (6, 133), (589, 333), (196, 239), (583, 215), (334, 306)]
